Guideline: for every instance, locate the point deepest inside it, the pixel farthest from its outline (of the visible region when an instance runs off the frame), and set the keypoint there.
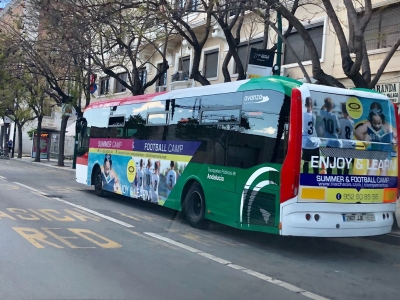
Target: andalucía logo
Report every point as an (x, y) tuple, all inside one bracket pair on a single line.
[(248, 208)]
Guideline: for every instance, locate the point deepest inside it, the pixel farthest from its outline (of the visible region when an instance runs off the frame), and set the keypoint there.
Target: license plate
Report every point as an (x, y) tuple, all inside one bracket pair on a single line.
[(358, 217)]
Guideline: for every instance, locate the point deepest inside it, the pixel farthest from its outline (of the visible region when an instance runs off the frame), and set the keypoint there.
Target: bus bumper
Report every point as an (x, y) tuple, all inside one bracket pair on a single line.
[(331, 221), (82, 174)]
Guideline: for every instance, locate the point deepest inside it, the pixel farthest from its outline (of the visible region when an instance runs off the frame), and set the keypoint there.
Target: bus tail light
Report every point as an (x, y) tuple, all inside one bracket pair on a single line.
[(308, 217), (291, 166)]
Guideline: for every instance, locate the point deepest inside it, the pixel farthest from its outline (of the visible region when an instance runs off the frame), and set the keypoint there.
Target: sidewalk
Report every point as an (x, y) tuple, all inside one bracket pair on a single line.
[(52, 163)]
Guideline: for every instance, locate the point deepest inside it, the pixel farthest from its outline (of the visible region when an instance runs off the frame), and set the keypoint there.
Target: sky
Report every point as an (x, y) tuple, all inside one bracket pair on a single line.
[(3, 2)]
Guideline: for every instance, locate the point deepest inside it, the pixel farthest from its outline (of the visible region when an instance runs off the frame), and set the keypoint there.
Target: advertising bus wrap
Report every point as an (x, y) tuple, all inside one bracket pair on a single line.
[(143, 169), (349, 150)]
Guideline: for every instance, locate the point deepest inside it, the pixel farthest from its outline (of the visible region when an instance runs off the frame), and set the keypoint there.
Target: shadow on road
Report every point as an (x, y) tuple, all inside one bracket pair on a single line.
[(302, 247)]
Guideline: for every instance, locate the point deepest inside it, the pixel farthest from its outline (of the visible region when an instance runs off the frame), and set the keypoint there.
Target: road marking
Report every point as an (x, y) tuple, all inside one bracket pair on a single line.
[(96, 213), (38, 238), (222, 261), (8, 187), (85, 233), (64, 239), (43, 195), (35, 237), (2, 177), (28, 187), (81, 208), (152, 240), (193, 237), (127, 216)]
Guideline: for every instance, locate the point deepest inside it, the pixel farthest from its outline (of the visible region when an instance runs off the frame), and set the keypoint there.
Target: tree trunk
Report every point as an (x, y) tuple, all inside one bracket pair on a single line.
[(196, 75), (225, 71), (19, 129), (61, 147), (38, 134)]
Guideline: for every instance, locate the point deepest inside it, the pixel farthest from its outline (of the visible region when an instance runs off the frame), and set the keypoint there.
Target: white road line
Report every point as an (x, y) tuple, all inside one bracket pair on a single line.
[(2, 177), (96, 213), (222, 261), (28, 187), (80, 207), (180, 245)]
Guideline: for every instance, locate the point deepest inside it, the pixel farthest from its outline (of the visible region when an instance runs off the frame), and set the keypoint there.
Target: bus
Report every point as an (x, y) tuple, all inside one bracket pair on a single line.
[(266, 154)]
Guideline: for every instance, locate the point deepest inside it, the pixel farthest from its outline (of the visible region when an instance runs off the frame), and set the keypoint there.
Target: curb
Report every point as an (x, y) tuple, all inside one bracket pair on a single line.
[(43, 165)]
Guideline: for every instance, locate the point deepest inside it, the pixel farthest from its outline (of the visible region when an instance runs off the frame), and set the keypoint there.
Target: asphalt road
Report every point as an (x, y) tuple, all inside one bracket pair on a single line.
[(60, 241)]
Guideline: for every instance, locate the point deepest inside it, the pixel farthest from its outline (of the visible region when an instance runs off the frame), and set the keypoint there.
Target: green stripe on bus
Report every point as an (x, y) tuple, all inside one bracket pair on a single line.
[(276, 83)]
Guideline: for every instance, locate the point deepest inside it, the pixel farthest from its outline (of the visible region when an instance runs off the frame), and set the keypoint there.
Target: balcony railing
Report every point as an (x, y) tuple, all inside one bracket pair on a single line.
[(180, 76)]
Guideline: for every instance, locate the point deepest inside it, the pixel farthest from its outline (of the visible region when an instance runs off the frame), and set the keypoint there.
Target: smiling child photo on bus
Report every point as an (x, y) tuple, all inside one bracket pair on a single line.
[(108, 176), (310, 141), (331, 129), (378, 132)]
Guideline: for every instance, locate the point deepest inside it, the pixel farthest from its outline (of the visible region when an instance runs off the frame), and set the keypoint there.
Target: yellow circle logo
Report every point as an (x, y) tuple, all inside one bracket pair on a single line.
[(354, 107), (131, 171)]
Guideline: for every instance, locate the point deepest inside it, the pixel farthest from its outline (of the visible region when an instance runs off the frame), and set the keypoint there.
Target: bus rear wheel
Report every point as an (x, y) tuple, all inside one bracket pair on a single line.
[(98, 183), (194, 206)]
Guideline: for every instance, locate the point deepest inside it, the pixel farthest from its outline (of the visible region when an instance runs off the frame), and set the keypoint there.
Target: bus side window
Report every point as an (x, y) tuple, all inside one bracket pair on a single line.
[(221, 120), (135, 121), (157, 120), (262, 137)]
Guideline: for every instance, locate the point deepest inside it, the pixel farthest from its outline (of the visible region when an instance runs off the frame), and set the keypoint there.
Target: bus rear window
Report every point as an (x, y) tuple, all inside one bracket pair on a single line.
[(342, 120)]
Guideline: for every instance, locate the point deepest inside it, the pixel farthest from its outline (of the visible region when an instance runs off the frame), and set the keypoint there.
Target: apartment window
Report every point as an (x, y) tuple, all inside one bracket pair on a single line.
[(104, 85), (232, 7), (119, 88), (184, 64), (244, 52), (211, 63), (143, 75), (194, 7), (316, 32), (162, 81), (383, 30)]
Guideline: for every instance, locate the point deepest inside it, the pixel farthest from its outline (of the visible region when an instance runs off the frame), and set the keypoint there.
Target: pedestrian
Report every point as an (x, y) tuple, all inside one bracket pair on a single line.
[(10, 144)]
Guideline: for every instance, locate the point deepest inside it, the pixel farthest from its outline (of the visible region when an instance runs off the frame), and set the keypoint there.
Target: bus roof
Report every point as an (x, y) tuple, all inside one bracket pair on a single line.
[(357, 92), (277, 83), (125, 100)]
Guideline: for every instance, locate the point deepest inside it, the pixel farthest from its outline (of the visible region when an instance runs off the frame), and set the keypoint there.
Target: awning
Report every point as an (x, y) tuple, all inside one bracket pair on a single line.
[(70, 131)]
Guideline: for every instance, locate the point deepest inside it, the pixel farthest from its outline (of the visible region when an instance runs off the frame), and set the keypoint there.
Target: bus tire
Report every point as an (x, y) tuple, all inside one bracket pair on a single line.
[(194, 206), (98, 182)]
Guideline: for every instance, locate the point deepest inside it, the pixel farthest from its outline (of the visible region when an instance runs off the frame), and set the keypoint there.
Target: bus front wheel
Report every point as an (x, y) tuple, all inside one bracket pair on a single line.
[(194, 206), (98, 183)]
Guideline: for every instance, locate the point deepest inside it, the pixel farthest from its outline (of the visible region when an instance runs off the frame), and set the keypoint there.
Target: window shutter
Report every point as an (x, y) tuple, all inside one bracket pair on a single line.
[(317, 35), (297, 43), (242, 52), (119, 88), (211, 64), (390, 26), (184, 64)]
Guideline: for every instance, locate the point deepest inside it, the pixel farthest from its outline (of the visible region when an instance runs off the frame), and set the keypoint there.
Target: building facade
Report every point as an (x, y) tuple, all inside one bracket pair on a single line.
[(381, 33)]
